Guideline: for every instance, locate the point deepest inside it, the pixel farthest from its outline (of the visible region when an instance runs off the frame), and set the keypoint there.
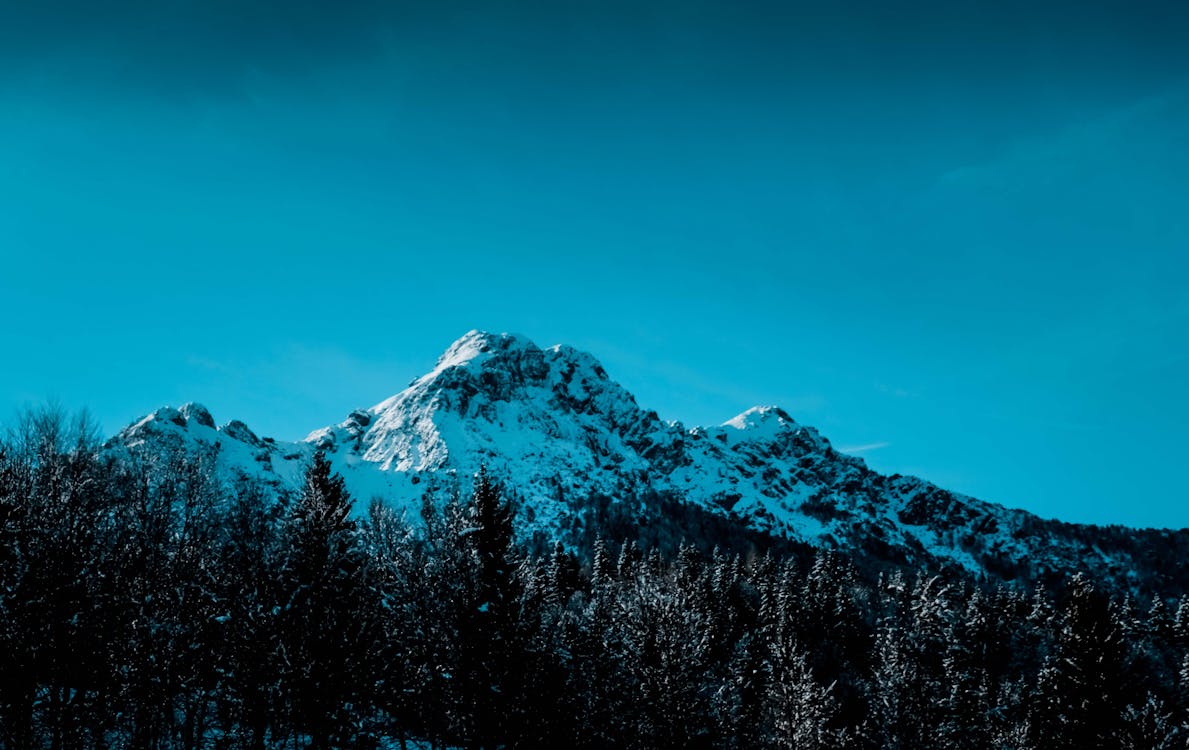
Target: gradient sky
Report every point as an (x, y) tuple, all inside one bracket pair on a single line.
[(952, 235)]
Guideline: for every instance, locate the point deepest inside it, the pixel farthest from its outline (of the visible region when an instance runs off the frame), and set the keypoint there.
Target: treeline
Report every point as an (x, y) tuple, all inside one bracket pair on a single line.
[(147, 606)]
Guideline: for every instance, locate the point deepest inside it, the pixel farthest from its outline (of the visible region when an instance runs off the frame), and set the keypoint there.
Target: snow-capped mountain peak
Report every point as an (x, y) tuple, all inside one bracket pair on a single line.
[(759, 416), (554, 427), (475, 347), (499, 399)]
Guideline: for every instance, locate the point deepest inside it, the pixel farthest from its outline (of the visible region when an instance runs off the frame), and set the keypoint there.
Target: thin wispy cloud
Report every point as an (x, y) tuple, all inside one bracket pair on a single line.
[(865, 448), (1084, 147)]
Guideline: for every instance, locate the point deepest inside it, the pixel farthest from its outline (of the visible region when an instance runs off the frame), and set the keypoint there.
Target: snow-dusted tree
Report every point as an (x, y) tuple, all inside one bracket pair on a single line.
[(799, 707), (1150, 725), (662, 634), (489, 637), (1086, 678), (974, 641), (324, 618), (168, 579), (247, 648), (56, 501)]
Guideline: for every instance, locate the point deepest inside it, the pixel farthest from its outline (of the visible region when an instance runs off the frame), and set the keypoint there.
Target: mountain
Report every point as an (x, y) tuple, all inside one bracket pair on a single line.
[(566, 438)]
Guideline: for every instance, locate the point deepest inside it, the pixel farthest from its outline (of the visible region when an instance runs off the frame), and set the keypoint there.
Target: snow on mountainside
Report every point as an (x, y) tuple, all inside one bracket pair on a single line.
[(556, 429)]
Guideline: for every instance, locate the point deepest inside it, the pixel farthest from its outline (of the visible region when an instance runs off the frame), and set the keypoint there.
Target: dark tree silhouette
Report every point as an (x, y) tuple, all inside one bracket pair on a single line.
[(323, 625), (145, 604)]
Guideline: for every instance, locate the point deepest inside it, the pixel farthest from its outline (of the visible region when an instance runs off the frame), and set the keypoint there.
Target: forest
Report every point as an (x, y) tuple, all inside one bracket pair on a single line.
[(147, 604)]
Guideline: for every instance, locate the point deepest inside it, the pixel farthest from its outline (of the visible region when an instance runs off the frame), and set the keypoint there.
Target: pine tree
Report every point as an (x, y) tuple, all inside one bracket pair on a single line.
[(628, 560), (1087, 677), (600, 566), (799, 707), (247, 650), (58, 507), (324, 618), (1151, 726), (1180, 624), (489, 638)]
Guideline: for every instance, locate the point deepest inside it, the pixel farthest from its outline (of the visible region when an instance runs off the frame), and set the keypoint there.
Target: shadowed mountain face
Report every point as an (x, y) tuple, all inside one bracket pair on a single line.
[(559, 433)]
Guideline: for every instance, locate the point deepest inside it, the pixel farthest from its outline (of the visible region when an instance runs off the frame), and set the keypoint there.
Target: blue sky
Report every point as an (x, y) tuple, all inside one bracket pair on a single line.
[(950, 235)]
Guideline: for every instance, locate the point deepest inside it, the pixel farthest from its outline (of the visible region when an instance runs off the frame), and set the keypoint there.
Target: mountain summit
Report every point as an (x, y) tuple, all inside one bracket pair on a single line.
[(559, 433)]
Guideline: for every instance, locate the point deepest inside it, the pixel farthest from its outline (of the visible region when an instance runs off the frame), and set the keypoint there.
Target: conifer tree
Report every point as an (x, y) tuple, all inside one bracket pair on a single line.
[(323, 619), (489, 637), (247, 650), (1086, 678)]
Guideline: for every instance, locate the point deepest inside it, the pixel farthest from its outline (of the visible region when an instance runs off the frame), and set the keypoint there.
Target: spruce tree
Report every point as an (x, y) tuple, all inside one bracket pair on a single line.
[(489, 637), (323, 620), (247, 650)]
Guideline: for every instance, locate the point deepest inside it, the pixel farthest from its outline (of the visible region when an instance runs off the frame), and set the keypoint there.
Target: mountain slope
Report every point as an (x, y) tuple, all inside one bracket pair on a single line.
[(557, 430)]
